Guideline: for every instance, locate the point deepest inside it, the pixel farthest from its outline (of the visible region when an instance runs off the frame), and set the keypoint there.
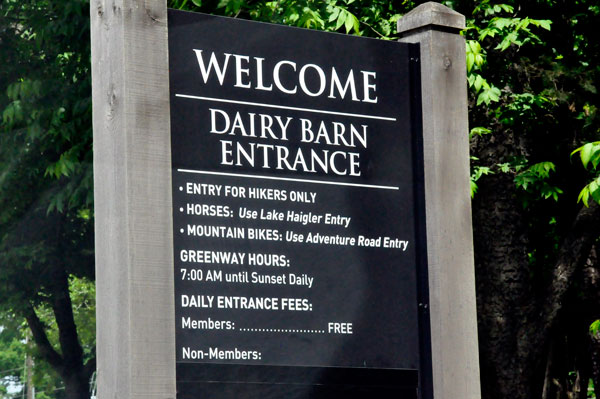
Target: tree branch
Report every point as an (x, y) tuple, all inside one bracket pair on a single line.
[(41, 339), (67, 330), (373, 29), (573, 253), (89, 368)]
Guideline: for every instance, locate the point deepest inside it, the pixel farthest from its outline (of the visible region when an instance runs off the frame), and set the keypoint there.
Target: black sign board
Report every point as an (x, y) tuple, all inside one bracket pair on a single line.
[(297, 213)]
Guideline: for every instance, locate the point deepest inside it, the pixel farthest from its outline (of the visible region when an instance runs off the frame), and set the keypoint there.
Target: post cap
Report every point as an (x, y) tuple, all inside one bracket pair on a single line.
[(431, 14)]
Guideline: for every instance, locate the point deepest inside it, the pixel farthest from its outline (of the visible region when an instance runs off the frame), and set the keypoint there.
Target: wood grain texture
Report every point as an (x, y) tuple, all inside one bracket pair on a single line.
[(132, 194), (448, 204)]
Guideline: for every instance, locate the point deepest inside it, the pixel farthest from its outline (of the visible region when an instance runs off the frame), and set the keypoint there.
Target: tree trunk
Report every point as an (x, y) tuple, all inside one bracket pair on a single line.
[(592, 288), (502, 276), (514, 329), (77, 386), (69, 363), (547, 389), (595, 360), (504, 298), (75, 374), (583, 372)]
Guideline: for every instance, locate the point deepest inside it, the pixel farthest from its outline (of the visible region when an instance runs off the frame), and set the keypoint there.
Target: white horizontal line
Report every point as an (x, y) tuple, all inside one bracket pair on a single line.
[(334, 183), (318, 111)]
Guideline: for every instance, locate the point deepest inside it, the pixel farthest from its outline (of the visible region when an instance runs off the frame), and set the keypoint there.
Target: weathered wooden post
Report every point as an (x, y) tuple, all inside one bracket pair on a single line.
[(134, 257), (448, 206)]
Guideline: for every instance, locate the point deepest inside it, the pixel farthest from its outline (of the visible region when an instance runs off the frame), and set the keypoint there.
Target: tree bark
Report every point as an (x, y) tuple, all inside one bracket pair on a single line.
[(502, 275), (547, 389), (73, 371), (77, 386), (69, 365), (595, 360), (514, 329), (504, 292), (591, 278)]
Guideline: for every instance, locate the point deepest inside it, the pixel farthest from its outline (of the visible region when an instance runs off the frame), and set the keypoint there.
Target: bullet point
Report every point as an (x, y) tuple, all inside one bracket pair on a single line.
[(180, 209), (181, 230), (180, 188)]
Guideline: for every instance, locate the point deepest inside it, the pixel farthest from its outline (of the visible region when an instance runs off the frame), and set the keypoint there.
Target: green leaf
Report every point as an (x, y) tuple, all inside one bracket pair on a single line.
[(471, 79), (489, 94), (349, 22), (503, 23), (523, 24), (476, 174), (504, 167), (494, 93), (473, 188), (595, 327), (544, 23), (470, 61), (356, 24), (595, 191), (341, 19), (592, 153), (479, 60), (479, 171), (542, 169), (479, 131), (586, 154), (596, 159), (475, 46), (590, 190), (506, 42), (483, 98), (334, 14), (479, 81), (487, 32), (584, 195)]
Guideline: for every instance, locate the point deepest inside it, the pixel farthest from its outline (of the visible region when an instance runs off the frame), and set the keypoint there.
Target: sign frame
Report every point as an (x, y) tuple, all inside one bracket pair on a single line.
[(134, 253), (236, 28)]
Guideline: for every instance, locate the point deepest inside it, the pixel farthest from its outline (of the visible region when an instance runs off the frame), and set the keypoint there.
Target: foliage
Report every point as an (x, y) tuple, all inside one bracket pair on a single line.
[(45, 170), (46, 106), (498, 32), (512, 31), (13, 346), (590, 155), (83, 294), (515, 92), (532, 76), (359, 17), (595, 327), (45, 131), (13, 349), (534, 179), (12, 355), (476, 174)]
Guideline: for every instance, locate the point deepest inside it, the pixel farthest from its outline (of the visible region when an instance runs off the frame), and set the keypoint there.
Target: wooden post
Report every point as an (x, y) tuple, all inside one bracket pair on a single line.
[(448, 206), (132, 180)]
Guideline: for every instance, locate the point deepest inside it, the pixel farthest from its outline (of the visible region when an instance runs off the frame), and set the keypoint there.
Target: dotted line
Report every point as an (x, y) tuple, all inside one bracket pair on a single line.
[(282, 330)]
